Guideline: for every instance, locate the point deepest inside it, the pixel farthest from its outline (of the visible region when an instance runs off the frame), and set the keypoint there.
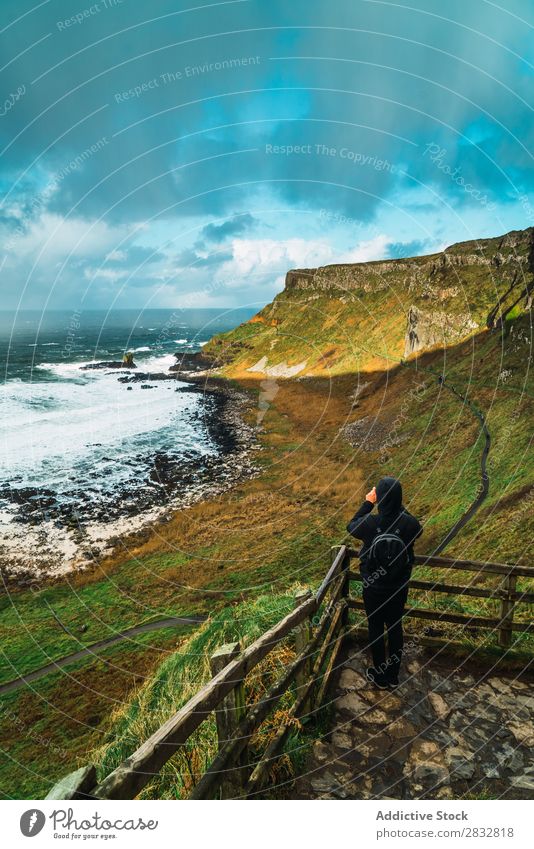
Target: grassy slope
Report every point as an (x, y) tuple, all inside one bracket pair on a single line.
[(275, 530), (47, 729), (178, 678), (436, 451), (340, 319)]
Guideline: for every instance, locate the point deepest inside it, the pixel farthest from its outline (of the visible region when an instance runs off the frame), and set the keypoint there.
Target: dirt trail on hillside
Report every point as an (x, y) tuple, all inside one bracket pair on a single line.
[(483, 487), (95, 648)]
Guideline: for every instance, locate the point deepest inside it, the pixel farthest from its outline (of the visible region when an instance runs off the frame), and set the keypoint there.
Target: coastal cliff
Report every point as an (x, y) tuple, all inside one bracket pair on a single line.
[(337, 318)]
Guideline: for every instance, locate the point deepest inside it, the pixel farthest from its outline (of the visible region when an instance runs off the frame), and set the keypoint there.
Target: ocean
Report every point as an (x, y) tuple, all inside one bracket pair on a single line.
[(79, 445)]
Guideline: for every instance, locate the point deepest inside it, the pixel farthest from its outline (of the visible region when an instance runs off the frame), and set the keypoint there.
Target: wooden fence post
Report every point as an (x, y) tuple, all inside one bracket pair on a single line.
[(228, 715), (345, 591), (75, 785), (507, 612), (303, 635)]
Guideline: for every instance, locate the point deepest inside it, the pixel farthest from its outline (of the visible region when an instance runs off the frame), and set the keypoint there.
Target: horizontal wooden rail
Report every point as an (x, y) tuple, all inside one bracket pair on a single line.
[(526, 598), (456, 618), (474, 566), (464, 565), (450, 589)]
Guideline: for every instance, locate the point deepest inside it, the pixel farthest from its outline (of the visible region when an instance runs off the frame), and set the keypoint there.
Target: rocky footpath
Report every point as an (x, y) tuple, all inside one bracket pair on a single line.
[(444, 733)]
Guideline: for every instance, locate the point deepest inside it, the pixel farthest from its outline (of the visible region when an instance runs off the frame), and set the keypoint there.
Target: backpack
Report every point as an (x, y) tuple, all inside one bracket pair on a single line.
[(388, 553)]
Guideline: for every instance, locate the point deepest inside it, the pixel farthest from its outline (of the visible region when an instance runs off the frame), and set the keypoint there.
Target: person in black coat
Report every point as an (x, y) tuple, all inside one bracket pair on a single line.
[(385, 591)]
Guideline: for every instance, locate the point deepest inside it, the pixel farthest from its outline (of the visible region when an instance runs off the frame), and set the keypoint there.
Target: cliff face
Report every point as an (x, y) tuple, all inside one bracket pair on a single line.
[(426, 329), (339, 317), (506, 253)]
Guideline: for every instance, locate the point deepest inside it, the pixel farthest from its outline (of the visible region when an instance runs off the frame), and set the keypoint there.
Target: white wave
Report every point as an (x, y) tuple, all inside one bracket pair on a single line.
[(180, 341), (141, 350), (66, 369), (53, 432), (160, 362)]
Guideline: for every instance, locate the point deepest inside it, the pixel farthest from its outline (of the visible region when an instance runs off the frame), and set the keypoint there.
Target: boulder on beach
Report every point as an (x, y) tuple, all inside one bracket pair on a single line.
[(190, 365), (127, 362)]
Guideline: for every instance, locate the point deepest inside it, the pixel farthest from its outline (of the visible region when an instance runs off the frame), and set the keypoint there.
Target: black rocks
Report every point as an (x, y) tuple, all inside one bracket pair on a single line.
[(109, 364)]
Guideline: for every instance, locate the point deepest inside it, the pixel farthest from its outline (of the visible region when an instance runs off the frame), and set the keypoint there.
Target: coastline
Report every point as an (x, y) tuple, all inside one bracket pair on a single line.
[(34, 552)]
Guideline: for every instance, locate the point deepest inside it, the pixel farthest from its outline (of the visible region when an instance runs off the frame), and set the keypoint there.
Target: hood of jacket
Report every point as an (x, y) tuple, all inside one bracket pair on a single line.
[(389, 497)]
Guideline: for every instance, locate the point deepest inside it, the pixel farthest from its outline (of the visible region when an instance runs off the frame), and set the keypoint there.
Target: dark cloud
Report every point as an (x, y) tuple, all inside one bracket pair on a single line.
[(416, 247), (155, 113), (385, 86), (233, 227)]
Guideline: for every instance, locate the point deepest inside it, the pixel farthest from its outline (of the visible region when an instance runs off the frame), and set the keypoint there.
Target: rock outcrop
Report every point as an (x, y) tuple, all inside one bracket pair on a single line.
[(510, 251), (426, 329), (109, 364)]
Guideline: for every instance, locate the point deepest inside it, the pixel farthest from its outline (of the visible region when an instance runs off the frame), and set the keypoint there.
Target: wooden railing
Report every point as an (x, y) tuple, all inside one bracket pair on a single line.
[(506, 594), (318, 625)]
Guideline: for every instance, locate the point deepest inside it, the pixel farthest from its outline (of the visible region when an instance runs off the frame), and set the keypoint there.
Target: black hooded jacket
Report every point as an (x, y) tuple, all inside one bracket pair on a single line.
[(391, 515)]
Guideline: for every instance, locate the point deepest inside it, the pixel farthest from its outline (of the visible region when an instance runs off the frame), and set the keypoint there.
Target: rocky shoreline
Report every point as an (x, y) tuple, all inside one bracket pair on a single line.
[(44, 536)]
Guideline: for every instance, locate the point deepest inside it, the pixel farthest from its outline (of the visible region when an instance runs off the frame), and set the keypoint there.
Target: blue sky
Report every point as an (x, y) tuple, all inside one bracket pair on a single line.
[(188, 154)]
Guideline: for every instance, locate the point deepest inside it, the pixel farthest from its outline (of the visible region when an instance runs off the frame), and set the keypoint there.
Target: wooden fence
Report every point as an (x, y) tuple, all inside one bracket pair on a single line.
[(318, 625), (506, 594)]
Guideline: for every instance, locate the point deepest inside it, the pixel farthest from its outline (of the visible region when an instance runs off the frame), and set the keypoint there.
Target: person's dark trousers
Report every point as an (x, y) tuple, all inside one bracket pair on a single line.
[(384, 609)]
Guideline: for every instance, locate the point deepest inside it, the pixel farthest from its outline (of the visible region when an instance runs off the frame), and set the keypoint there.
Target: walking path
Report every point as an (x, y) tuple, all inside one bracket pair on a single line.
[(95, 648), (483, 488), (443, 733)]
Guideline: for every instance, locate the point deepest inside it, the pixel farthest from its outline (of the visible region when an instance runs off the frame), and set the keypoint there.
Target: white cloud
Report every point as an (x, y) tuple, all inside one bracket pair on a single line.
[(262, 255), (58, 238), (368, 251), (116, 256), (56, 255), (256, 255), (111, 274)]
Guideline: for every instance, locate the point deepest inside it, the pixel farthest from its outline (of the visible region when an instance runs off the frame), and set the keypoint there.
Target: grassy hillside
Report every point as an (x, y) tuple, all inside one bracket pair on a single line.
[(343, 318), (361, 406), (357, 410)]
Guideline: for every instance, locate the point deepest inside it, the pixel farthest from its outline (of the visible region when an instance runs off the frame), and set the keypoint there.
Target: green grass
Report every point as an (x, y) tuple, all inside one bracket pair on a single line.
[(135, 592), (46, 729), (175, 681)]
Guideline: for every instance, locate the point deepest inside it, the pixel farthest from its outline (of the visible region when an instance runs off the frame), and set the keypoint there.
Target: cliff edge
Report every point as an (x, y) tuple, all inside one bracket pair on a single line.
[(341, 318)]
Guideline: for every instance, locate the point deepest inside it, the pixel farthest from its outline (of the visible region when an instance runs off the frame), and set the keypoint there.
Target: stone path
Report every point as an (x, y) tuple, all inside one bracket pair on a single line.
[(445, 732)]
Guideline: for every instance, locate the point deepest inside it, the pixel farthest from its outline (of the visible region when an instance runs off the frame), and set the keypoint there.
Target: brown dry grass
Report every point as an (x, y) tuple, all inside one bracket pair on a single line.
[(305, 470)]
